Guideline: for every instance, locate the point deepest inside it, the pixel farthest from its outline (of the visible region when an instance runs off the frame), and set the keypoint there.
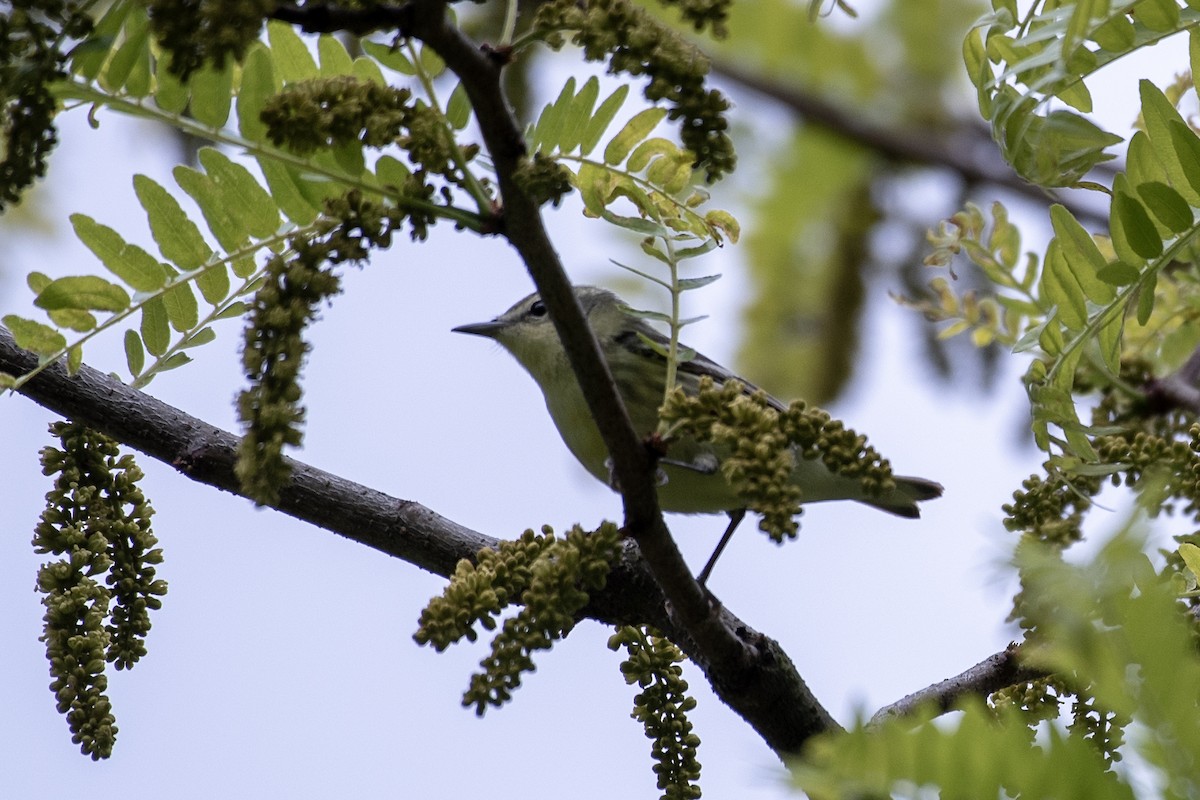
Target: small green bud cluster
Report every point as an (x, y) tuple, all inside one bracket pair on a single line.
[(199, 32), (34, 38), (273, 351), (652, 662), (550, 577), (765, 443), (98, 520), (1037, 700), (635, 43), (704, 14), (543, 179), (1050, 509), (328, 112)]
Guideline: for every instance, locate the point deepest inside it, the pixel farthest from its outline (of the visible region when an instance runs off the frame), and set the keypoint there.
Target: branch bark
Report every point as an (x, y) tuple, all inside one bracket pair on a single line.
[(767, 691), (966, 150), (992, 674)]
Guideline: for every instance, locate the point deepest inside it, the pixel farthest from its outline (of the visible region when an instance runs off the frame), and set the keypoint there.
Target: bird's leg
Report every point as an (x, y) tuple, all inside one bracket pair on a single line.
[(735, 518)]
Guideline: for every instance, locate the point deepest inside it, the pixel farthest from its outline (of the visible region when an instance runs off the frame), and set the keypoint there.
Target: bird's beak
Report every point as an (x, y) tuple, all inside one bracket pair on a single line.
[(488, 329)]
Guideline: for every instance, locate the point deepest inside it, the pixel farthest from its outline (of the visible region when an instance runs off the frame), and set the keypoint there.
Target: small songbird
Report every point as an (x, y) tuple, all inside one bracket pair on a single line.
[(692, 481)]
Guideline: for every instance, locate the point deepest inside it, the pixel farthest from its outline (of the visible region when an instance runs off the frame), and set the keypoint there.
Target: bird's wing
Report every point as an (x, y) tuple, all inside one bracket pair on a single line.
[(698, 365)]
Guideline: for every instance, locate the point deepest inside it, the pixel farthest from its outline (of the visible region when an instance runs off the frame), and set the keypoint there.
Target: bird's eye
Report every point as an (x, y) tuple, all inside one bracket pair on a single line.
[(538, 309)]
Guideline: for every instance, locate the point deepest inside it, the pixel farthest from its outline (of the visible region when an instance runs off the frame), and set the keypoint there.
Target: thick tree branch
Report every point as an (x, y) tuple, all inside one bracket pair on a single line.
[(1179, 390), (967, 150), (727, 651), (767, 691), (990, 675)]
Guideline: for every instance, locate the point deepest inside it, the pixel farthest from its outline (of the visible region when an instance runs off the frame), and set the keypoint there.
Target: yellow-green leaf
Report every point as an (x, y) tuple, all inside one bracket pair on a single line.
[(177, 237), (241, 193), (637, 129), (34, 336), (181, 307), (135, 355), (290, 54), (83, 291), (1167, 205), (334, 58), (1081, 254), (212, 95), (156, 331)]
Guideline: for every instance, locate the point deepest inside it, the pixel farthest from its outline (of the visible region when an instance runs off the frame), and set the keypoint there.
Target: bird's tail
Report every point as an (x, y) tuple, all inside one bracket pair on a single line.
[(902, 501)]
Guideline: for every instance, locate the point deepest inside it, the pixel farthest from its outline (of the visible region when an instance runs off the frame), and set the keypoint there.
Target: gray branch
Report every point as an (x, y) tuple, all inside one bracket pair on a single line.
[(995, 672), (766, 691)]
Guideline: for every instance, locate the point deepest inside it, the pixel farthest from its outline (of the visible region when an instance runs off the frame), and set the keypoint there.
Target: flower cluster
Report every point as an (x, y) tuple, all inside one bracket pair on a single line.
[(764, 443), (35, 36), (274, 349), (98, 521), (199, 32), (635, 43), (652, 662), (548, 576)]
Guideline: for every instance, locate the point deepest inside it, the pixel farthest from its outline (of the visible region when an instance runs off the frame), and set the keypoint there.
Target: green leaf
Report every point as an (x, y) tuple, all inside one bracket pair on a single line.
[(601, 119), (170, 95), (83, 291), (200, 337), (1187, 150), (74, 360), (637, 129), (1060, 288), (1167, 205), (241, 194), (1055, 150), (1134, 236), (284, 184), (177, 237), (181, 307), (235, 309), (136, 46), (1158, 114), (34, 336), (231, 230), (128, 262), (212, 95), (687, 284), (366, 69), (550, 121), (156, 331), (258, 84), (176, 360), (578, 114), (334, 58), (213, 283), (291, 55), (458, 108), (1081, 254), (392, 58), (641, 155), (135, 355), (1190, 554), (74, 318), (1146, 298), (1158, 15), (1119, 273), (89, 56), (1117, 35)]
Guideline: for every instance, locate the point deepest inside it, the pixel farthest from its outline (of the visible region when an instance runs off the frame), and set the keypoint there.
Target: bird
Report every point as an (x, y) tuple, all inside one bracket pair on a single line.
[(690, 481)]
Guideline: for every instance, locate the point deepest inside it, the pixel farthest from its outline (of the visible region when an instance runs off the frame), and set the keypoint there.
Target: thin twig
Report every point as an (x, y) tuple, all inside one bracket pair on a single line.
[(995, 672)]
